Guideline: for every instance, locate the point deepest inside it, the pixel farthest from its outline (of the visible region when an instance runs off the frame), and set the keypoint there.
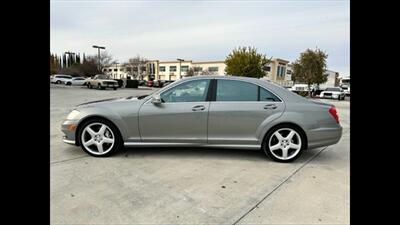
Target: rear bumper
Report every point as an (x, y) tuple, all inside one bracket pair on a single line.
[(324, 136)]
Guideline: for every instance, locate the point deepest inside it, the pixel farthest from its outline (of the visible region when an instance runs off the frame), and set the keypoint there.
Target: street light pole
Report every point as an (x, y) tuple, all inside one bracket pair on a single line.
[(98, 51), (180, 64)]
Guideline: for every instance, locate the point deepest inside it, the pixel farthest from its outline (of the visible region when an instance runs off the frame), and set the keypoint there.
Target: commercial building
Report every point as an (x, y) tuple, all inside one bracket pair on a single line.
[(278, 70)]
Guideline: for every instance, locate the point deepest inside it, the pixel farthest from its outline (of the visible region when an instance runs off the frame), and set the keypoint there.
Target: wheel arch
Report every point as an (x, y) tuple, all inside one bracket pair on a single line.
[(303, 133), (79, 127)]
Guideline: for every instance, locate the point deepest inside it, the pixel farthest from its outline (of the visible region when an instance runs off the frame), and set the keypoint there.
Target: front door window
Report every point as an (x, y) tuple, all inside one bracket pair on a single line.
[(192, 91)]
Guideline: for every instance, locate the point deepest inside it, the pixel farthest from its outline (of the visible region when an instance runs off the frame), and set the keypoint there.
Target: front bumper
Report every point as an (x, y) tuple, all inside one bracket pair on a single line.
[(109, 85), (68, 127)]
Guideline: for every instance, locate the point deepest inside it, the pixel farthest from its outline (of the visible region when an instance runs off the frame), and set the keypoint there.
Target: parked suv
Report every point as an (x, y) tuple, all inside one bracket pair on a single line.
[(60, 79), (102, 82)]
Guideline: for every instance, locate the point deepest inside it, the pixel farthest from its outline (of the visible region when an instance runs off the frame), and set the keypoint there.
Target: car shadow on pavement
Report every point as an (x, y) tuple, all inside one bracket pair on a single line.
[(192, 152), (208, 153)]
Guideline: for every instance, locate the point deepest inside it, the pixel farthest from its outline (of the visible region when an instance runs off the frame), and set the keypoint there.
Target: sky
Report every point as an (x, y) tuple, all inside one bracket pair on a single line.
[(202, 30)]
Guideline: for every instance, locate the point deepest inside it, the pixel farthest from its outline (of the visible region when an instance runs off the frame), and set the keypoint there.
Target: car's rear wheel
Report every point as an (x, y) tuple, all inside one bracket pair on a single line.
[(58, 82), (284, 143), (115, 88), (89, 86), (99, 137), (68, 83)]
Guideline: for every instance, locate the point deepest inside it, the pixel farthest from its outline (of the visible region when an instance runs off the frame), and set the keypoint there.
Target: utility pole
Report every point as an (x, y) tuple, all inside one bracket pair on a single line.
[(180, 63), (98, 50)]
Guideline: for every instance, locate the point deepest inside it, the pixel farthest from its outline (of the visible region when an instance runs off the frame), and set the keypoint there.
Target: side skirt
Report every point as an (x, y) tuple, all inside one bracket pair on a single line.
[(171, 144)]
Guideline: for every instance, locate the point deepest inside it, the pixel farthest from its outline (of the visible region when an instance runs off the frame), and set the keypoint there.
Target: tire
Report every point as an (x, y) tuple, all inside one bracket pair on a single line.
[(68, 83), (89, 86), (115, 88), (58, 82), (275, 148), (91, 137)]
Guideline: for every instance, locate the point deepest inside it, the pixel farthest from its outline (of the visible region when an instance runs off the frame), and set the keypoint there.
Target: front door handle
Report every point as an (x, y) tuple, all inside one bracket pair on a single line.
[(270, 106), (198, 108)]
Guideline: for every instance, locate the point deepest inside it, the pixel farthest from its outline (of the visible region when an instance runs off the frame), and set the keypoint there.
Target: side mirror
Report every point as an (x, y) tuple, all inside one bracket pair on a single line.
[(156, 100)]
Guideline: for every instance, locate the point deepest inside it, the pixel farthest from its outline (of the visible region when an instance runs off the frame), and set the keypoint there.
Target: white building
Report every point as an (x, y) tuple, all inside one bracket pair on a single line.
[(116, 72), (278, 71), (332, 79)]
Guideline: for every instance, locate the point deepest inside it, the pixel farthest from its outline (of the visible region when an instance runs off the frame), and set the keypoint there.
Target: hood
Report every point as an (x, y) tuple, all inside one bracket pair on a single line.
[(110, 101), (106, 80)]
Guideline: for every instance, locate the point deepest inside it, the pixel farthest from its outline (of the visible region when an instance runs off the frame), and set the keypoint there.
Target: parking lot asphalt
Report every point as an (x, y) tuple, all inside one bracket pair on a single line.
[(188, 185)]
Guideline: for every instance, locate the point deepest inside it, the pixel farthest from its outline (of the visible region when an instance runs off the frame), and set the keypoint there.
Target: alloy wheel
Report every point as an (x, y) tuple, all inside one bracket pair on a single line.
[(97, 138), (285, 143)]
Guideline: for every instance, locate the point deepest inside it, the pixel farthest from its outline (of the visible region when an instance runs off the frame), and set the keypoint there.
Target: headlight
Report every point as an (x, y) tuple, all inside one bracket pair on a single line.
[(72, 115)]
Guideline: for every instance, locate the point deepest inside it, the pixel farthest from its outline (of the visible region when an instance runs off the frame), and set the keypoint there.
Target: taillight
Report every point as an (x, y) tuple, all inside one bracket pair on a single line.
[(333, 112)]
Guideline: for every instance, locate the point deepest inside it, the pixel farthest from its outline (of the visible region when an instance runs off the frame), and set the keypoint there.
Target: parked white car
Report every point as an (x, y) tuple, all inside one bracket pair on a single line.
[(59, 78), (78, 81), (333, 92), (346, 88), (299, 87)]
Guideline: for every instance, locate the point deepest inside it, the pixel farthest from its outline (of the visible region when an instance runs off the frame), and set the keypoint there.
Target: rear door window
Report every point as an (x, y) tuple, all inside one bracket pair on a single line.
[(233, 90)]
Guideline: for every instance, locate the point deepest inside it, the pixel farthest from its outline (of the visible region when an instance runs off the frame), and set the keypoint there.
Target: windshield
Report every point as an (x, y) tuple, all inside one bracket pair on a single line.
[(333, 89), (103, 77)]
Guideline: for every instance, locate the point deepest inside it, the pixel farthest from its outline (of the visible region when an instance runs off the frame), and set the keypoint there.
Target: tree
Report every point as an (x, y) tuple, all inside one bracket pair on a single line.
[(53, 64), (245, 61), (135, 66), (310, 68), (205, 72), (190, 72), (86, 69), (106, 59)]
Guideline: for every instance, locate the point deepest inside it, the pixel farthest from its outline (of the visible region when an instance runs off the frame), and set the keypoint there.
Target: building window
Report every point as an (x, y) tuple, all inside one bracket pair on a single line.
[(267, 68), (281, 71), (289, 72), (115, 70), (162, 68), (198, 69), (213, 69), (109, 70), (184, 68), (172, 68), (122, 69)]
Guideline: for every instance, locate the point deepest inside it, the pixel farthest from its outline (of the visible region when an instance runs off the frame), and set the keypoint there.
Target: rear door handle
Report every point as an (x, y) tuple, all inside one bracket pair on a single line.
[(270, 106), (198, 108)]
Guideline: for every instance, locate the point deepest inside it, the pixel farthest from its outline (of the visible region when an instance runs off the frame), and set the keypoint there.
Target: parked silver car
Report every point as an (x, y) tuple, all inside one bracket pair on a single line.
[(207, 111)]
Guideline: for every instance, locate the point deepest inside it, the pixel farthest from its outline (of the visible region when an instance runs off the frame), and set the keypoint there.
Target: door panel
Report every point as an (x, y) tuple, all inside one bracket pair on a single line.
[(174, 122), (237, 122), (181, 117), (238, 112)]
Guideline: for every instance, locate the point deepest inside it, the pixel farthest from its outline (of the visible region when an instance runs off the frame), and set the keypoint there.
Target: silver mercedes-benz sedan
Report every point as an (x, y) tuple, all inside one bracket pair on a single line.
[(207, 111)]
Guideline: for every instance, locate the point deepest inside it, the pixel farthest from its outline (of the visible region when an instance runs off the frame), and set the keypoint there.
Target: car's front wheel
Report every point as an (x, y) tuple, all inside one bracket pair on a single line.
[(284, 143), (99, 137)]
